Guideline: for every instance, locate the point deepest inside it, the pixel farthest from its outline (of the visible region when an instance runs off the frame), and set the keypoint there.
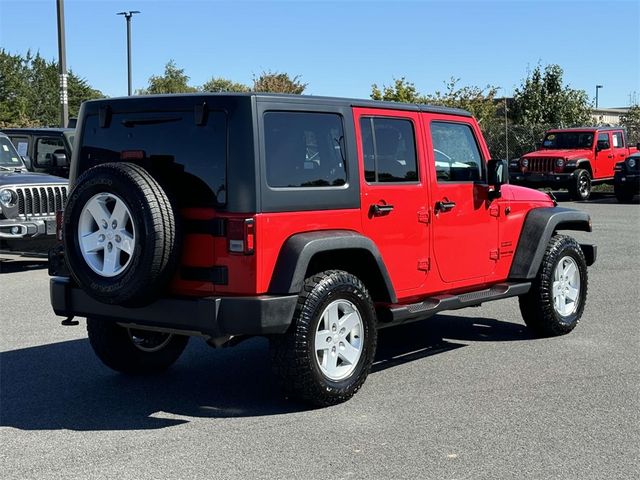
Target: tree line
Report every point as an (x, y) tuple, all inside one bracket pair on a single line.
[(29, 97)]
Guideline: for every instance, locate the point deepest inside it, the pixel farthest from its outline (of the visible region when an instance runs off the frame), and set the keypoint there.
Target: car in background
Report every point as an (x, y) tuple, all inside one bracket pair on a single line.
[(44, 150), (626, 178), (28, 204)]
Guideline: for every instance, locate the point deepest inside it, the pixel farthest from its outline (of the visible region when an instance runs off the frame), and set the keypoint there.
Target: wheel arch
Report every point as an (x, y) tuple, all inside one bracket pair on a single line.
[(303, 254), (584, 164), (539, 226)]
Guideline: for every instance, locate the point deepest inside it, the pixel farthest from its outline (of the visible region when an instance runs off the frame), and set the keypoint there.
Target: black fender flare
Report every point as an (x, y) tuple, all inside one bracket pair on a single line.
[(298, 250), (539, 226), (581, 163)]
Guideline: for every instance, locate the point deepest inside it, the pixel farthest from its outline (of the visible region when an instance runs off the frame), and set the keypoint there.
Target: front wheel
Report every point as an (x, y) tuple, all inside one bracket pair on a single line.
[(581, 187), (326, 355), (558, 294), (134, 351)]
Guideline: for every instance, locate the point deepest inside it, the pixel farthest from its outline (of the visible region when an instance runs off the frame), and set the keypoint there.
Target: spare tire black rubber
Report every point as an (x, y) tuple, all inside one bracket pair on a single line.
[(152, 251)]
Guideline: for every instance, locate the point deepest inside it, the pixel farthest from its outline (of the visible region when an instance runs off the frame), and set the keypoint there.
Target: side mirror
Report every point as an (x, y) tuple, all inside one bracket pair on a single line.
[(602, 145), (60, 160), (638, 146), (27, 162), (497, 175)]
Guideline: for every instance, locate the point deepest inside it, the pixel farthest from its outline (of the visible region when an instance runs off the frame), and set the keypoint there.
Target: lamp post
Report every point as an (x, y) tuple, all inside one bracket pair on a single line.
[(127, 16), (62, 64), (598, 87)]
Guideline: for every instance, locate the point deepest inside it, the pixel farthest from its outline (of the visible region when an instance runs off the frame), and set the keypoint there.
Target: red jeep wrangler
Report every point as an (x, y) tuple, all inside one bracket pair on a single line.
[(573, 158), (313, 221)]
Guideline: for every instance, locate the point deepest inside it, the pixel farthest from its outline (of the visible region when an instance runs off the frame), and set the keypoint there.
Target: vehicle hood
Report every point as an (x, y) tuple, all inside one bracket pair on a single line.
[(565, 153), (518, 193), (29, 178)]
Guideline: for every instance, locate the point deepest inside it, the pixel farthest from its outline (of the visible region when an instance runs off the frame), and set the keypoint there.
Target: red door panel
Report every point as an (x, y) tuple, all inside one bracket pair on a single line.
[(465, 223), (391, 210)]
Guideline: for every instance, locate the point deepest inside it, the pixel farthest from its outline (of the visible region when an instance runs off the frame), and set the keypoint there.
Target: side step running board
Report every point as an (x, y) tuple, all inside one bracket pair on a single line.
[(396, 314)]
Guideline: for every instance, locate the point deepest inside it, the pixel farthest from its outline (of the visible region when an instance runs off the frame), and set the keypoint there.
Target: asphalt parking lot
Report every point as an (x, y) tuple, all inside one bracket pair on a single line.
[(466, 395)]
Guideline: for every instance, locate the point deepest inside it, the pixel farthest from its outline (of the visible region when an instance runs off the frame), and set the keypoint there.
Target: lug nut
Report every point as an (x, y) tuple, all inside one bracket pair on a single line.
[(109, 246), (101, 238), (118, 238), (334, 327), (104, 224), (114, 224), (328, 339)]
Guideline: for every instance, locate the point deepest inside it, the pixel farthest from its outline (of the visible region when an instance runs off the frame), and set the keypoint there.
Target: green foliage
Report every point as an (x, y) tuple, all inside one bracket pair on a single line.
[(277, 82), (174, 80), (400, 91), (219, 84), (631, 121), (481, 102), (29, 89), (543, 98)]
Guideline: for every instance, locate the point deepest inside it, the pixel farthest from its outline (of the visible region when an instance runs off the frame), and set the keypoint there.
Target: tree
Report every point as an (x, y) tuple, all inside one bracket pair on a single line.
[(631, 121), (543, 98), (400, 91), (219, 84), (174, 80), (276, 82), (29, 89), (481, 102)]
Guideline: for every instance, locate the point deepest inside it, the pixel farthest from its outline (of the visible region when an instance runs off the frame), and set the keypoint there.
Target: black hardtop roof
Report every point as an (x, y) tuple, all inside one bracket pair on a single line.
[(584, 129), (307, 99), (38, 130)]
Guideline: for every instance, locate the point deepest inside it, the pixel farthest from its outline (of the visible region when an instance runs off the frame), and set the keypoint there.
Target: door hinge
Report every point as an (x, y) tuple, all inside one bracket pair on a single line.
[(494, 254), (424, 264), (424, 216)]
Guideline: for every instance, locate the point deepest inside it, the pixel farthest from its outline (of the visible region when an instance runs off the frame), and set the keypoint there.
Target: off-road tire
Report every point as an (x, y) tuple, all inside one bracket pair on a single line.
[(293, 354), (114, 346), (156, 251), (537, 306), (580, 189), (623, 193)]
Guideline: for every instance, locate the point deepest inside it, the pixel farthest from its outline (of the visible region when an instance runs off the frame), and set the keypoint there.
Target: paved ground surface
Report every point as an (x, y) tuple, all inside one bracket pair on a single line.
[(469, 394)]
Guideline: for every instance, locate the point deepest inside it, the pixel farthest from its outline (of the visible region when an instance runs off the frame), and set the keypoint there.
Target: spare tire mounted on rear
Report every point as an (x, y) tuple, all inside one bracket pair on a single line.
[(120, 234)]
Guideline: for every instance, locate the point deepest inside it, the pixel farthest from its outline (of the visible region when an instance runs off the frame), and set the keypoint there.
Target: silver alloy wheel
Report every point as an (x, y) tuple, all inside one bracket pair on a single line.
[(149, 341), (339, 339), (566, 286), (106, 234), (583, 185)]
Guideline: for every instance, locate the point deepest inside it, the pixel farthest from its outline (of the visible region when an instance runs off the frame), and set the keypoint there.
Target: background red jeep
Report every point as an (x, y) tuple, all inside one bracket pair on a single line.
[(573, 158), (313, 221)]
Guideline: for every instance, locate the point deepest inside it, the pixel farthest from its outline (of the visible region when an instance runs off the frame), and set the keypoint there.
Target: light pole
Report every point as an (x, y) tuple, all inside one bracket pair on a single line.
[(598, 87), (127, 16), (62, 64)]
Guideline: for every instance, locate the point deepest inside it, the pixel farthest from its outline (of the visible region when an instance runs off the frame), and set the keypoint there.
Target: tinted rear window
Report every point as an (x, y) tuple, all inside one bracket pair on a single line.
[(304, 149), (183, 156)]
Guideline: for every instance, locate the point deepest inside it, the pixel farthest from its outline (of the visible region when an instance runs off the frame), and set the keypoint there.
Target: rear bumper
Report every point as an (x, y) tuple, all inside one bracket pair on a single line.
[(211, 316)]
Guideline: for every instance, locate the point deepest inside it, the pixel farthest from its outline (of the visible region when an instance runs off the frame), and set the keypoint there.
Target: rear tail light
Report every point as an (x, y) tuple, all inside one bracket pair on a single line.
[(241, 234), (59, 224), (132, 155)]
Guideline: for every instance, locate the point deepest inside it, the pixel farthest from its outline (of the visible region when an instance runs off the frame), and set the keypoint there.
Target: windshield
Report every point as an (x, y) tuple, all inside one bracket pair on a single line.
[(9, 158), (561, 140), (70, 138)]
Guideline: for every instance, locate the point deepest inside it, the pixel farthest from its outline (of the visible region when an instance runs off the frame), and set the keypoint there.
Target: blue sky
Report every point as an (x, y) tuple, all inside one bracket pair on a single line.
[(341, 48)]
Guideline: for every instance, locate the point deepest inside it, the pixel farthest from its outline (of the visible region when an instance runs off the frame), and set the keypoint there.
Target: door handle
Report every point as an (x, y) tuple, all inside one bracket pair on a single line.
[(609, 156), (380, 209), (444, 206)]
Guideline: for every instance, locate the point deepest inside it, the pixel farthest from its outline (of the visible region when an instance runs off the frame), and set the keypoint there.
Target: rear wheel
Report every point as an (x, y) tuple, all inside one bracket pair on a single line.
[(581, 187), (558, 294), (134, 351), (326, 355)]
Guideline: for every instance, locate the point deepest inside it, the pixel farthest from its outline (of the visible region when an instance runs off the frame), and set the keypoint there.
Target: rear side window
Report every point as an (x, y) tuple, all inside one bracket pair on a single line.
[(189, 159), (45, 148), (456, 153), (618, 139), (304, 149), (389, 150)]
